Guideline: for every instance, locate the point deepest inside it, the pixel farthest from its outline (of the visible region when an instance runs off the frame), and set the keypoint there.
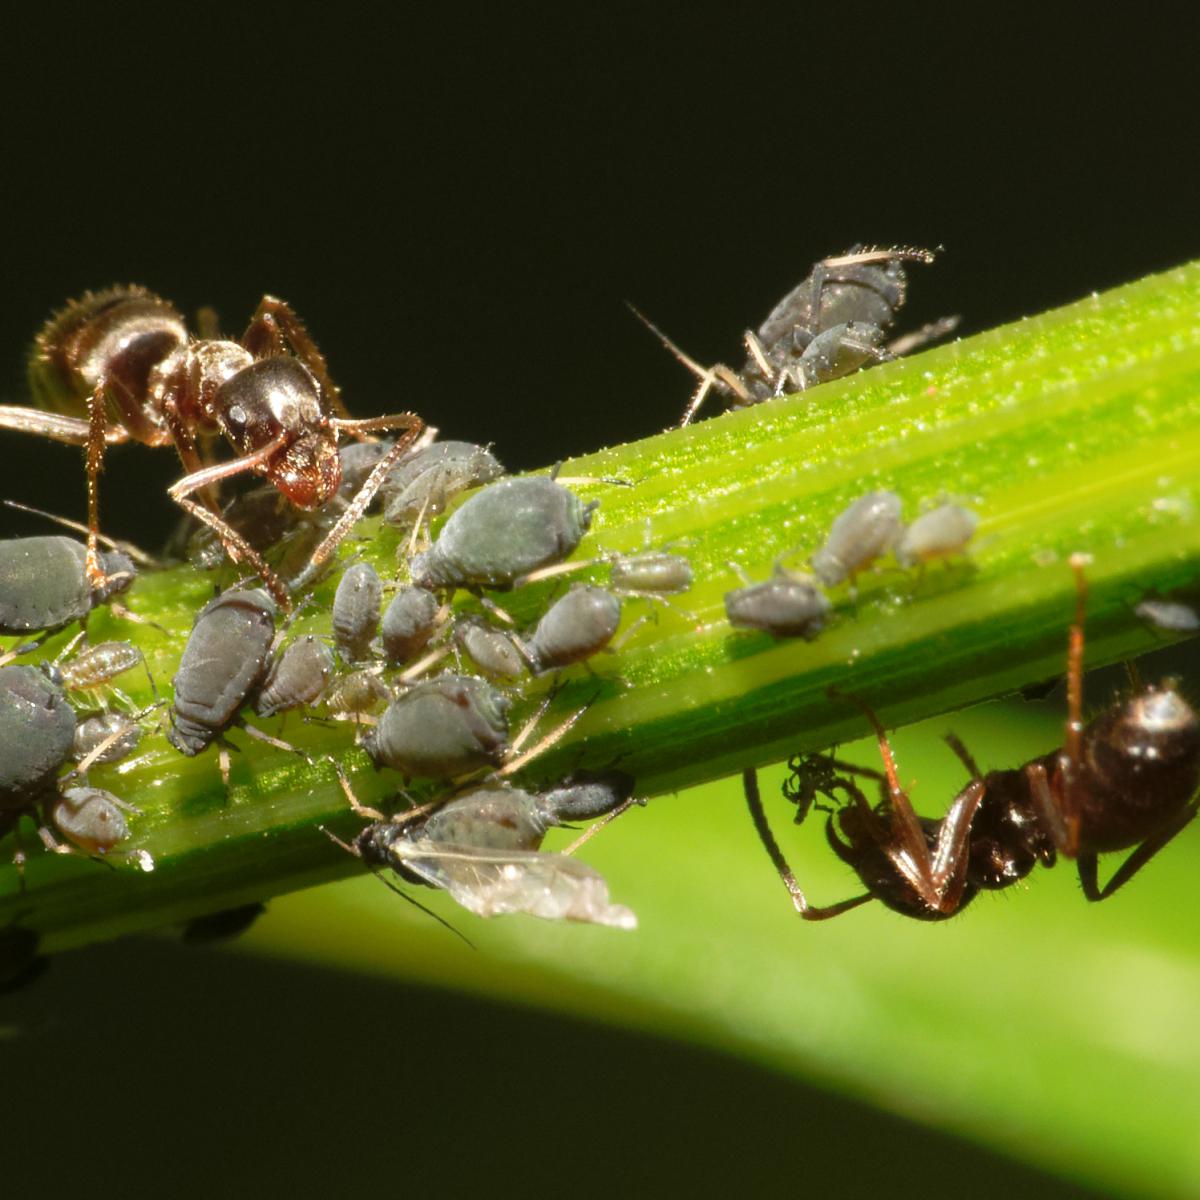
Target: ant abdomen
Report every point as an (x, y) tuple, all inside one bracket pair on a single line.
[(119, 334), (1140, 767)]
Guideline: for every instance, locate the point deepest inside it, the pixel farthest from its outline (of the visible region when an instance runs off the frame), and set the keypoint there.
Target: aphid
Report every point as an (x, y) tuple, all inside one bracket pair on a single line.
[(786, 605), (442, 728), (409, 621), (575, 627), (126, 352), (1127, 780), (503, 532), (493, 651), (356, 692), (226, 657), (425, 480), (44, 584), (1169, 616), (867, 529), (831, 324), (95, 666), (37, 732), (356, 611), (90, 818), (657, 573), (297, 675), (940, 533), (483, 848), (118, 734)]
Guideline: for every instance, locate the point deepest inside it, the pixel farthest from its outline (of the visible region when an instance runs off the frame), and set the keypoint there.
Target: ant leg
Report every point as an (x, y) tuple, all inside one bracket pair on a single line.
[(274, 327), (235, 545), (1063, 826), (71, 431), (806, 911), (963, 755), (1138, 858)]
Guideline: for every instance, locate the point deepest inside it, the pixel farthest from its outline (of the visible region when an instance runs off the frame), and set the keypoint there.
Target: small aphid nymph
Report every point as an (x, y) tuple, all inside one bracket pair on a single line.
[(787, 605), (866, 530), (940, 533)]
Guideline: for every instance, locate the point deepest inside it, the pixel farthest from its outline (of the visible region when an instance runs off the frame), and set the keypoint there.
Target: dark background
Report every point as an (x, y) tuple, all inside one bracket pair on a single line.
[(459, 205)]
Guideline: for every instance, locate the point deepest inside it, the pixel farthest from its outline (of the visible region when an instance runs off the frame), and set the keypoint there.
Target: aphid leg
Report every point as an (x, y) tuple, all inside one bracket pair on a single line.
[(223, 763), (412, 426), (933, 331), (359, 810), (544, 744), (807, 911), (277, 743), (273, 328), (607, 819), (1138, 858)]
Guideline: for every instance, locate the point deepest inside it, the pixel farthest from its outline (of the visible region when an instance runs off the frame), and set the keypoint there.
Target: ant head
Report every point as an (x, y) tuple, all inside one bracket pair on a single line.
[(277, 402)]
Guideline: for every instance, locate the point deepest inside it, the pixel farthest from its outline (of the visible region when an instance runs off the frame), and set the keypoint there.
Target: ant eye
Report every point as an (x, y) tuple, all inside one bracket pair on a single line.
[(236, 415)]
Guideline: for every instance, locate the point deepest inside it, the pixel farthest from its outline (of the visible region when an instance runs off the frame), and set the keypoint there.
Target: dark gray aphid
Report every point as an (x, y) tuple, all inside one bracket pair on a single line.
[(442, 728), (505, 531), (940, 533), (262, 516), (585, 796), (358, 460), (1169, 616), (356, 611), (833, 323), (424, 481), (867, 529), (44, 586), (786, 605), (37, 733), (494, 652), (574, 627), (298, 675), (95, 731), (226, 657), (657, 573), (409, 622)]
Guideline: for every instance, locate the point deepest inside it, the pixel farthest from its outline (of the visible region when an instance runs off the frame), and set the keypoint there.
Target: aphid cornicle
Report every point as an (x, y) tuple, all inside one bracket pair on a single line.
[(442, 728), (226, 657), (504, 531), (124, 358), (1127, 780), (44, 584)]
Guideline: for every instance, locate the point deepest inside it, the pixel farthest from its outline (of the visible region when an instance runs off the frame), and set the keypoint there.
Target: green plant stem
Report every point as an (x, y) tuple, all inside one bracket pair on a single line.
[(1078, 430)]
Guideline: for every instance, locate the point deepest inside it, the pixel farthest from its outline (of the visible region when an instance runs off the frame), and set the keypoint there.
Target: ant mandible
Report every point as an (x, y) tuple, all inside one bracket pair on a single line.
[(1127, 780), (124, 356)]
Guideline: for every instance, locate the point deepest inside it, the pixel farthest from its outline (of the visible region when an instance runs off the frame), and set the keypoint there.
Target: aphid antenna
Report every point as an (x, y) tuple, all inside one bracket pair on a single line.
[(931, 331), (593, 829), (128, 548)]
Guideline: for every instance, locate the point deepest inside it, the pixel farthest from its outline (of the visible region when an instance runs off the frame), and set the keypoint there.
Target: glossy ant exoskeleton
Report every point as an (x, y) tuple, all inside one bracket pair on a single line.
[(1127, 780), (124, 357)]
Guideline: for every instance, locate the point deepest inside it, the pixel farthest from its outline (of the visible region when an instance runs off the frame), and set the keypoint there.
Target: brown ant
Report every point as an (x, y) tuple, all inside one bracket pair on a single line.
[(1127, 780), (124, 357)]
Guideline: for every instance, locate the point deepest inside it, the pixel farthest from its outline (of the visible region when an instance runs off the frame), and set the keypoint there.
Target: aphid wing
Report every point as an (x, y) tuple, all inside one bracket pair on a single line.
[(554, 887)]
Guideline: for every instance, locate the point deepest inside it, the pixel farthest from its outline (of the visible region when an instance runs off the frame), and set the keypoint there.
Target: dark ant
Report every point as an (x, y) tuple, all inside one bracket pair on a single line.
[(124, 356), (1127, 780)]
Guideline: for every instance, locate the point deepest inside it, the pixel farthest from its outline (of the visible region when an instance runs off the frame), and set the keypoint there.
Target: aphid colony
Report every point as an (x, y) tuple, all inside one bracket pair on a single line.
[(425, 682)]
